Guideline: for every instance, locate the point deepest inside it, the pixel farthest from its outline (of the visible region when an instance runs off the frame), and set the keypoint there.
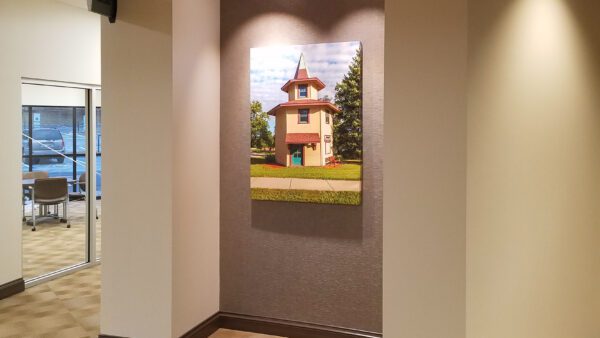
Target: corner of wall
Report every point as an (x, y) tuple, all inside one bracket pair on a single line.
[(196, 170), (425, 169)]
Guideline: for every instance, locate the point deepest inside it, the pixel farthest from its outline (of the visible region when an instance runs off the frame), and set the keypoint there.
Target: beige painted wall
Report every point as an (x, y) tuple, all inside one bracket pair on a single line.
[(424, 169), (137, 209), (196, 111), (533, 267), (69, 38), (161, 222)]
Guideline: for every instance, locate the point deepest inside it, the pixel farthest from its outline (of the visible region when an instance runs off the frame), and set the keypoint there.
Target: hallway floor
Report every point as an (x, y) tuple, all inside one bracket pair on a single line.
[(67, 307), (54, 246), (62, 308)]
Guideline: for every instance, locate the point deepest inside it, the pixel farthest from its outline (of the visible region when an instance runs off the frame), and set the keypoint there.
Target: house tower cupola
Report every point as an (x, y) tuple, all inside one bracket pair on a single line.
[(303, 82)]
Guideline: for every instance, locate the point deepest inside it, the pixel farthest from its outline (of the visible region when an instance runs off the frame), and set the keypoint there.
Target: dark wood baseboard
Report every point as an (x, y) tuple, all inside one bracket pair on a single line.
[(109, 336), (206, 328), (12, 288), (270, 326)]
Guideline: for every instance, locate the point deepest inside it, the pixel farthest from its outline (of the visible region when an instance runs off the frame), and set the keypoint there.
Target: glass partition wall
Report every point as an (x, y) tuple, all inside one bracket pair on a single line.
[(98, 104), (60, 166)]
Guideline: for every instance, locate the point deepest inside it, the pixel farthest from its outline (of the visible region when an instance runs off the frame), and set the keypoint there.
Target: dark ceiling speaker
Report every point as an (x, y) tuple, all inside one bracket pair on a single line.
[(107, 8)]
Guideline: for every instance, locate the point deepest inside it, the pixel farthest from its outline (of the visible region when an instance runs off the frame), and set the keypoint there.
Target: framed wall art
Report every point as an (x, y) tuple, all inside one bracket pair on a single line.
[(306, 123)]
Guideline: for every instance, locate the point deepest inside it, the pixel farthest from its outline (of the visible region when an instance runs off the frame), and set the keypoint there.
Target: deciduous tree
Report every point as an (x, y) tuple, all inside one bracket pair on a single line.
[(261, 137)]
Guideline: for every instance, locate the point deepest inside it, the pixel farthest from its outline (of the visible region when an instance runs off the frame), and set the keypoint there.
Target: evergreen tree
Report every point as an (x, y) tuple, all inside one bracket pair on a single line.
[(347, 124), (260, 135)]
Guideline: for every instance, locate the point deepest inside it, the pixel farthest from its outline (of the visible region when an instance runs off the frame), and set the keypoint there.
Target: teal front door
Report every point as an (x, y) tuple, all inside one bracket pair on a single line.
[(296, 151)]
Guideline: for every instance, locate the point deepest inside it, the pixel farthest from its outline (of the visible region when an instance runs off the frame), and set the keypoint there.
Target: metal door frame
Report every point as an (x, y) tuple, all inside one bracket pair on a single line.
[(90, 157)]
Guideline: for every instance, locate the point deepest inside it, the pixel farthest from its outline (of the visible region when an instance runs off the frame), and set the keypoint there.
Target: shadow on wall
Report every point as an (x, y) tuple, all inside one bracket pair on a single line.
[(310, 220), (586, 18), (313, 13), (142, 13)]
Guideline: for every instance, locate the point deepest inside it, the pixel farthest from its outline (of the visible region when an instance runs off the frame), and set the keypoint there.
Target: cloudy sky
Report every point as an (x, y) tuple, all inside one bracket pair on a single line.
[(272, 67)]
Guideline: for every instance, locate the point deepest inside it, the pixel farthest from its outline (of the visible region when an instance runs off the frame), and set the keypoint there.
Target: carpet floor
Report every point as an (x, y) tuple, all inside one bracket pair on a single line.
[(67, 307), (53, 246)]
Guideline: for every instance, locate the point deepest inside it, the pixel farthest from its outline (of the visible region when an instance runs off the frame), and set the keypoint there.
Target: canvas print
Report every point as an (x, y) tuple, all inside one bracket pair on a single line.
[(306, 123)]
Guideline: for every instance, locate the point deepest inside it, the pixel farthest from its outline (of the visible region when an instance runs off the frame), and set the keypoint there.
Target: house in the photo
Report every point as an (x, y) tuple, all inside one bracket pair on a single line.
[(303, 124)]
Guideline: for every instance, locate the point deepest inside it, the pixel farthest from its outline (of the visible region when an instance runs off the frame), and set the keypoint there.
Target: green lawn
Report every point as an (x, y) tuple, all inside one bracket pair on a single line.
[(351, 172), (307, 196)]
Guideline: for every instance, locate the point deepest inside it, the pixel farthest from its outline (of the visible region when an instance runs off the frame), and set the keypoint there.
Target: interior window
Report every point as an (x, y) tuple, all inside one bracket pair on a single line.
[(303, 116)]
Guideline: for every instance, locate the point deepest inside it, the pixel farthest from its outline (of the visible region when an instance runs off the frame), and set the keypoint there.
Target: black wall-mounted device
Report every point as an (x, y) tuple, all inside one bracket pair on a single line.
[(107, 8)]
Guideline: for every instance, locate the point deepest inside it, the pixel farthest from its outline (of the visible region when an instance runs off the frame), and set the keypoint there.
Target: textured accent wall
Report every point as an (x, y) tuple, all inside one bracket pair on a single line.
[(312, 263)]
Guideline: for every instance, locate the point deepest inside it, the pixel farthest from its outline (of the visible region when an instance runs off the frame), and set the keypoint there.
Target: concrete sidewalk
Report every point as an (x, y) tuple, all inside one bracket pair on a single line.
[(304, 184)]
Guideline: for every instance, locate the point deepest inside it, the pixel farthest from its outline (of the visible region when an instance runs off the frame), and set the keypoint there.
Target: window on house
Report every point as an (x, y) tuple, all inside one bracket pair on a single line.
[(303, 90), (303, 116), (327, 118)]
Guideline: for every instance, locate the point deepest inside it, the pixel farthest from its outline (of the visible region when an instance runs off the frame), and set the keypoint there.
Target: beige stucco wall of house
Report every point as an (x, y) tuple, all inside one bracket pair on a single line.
[(287, 122), (312, 155), (313, 92), (281, 150), (312, 127)]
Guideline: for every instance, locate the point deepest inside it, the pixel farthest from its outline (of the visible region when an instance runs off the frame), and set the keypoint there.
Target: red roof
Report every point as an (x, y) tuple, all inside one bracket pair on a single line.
[(302, 69), (301, 74), (302, 138), (304, 103)]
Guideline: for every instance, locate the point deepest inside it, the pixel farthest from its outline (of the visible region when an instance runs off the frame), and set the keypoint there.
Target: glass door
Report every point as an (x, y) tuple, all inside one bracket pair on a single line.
[(57, 230)]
